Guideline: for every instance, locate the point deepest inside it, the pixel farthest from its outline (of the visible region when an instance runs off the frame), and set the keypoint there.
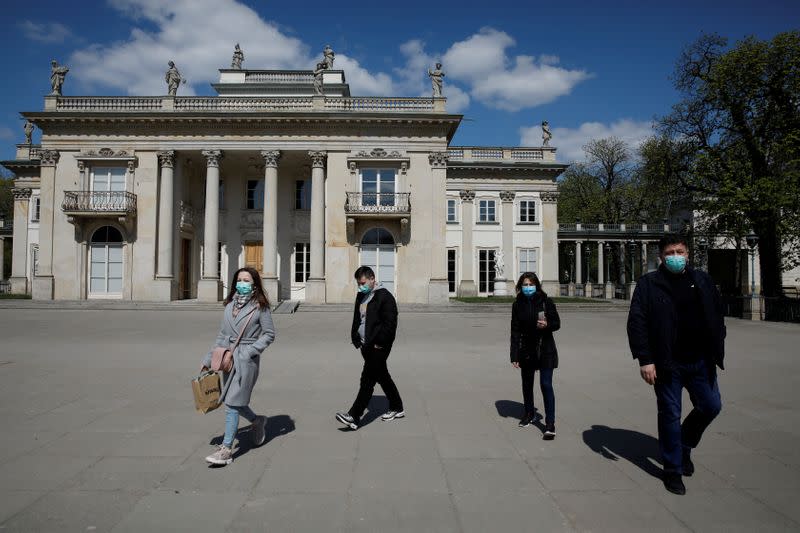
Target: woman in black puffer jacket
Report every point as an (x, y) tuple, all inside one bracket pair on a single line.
[(533, 320)]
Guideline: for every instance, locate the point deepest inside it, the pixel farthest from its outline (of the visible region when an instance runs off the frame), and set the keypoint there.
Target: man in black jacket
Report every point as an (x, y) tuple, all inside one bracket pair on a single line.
[(677, 332), (373, 331)]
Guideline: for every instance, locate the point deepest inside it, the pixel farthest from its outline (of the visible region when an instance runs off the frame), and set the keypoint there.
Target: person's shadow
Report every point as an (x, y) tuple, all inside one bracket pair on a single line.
[(376, 407), (277, 426), (515, 410), (636, 447)]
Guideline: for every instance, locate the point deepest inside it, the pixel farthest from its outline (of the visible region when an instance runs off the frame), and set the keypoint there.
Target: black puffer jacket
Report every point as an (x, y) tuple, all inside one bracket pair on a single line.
[(528, 342), (381, 320)]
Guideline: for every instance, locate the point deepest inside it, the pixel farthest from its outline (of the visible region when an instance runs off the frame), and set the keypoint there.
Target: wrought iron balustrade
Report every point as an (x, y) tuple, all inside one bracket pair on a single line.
[(378, 203), (96, 202)]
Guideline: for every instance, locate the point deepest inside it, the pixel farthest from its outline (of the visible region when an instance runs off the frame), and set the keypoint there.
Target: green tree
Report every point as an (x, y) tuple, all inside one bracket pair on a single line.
[(740, 113)]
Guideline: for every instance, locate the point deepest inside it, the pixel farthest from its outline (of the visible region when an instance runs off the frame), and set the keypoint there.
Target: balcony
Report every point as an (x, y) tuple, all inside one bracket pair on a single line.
[(99, 203), (378, 205)]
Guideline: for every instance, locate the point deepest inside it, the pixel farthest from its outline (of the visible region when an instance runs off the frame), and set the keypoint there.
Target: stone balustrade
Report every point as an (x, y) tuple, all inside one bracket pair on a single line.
[(578, 228), (303, 77), (96, 202), (370, 203), (108, 103), (241, 103), (483, 153), (377, 103)]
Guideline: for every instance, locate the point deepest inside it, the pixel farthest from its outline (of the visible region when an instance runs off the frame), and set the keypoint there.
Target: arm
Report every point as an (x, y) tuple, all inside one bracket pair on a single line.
[(551, 315), (388, 312), (515, 334), (354, 336), (267, 335), (638, 335)]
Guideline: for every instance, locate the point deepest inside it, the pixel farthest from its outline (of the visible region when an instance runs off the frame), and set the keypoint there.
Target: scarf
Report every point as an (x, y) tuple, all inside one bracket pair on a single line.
[(239, 301)]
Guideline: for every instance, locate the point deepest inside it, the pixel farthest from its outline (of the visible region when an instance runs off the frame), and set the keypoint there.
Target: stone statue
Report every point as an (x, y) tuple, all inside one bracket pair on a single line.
[(238, 57), (173, 78), (329, 56), (546, 135), (28, 129), (499, 265), (437, 79), (321, 67), (57, 76)]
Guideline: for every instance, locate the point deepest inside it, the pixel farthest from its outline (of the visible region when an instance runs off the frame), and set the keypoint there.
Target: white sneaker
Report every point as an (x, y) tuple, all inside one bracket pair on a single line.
[(223, 456), (391, 415)]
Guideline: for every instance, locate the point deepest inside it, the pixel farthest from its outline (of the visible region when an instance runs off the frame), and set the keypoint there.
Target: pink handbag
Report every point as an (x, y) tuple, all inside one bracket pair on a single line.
[(222, 358)]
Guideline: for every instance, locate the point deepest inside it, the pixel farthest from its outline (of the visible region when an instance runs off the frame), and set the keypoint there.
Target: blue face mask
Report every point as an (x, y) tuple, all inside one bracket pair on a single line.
[(675, 263), (364, 289), (244, 287), (528, 290)]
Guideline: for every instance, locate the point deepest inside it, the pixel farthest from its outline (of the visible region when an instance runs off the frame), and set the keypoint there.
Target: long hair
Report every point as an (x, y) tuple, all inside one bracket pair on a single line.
[(258, 288), (533, 278)]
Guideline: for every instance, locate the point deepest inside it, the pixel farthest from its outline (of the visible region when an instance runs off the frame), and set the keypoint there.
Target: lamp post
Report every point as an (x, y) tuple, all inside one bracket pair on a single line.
[(608, 262), (571, 254), (752, 242), (702, 248), (632, 250), (587, 252)]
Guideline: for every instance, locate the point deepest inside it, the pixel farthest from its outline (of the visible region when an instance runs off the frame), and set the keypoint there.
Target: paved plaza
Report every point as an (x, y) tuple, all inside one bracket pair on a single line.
[(99, 431)]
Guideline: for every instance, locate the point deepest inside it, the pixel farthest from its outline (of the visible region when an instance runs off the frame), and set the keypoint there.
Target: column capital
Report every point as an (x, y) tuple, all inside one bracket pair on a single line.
[(49, 158), (21, 193), (507, 196), (166, 158), (271, 157), (438, 159), (467, 195), (317, 158), (213, 157), (549, 197)]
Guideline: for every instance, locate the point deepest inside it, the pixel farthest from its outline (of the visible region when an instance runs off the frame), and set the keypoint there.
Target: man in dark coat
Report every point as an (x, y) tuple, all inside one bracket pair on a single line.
[(373, 332), (677, 332)]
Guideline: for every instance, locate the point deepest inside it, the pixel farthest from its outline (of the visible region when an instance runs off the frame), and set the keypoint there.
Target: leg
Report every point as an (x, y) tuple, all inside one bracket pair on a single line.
[(231, 425), (385, 380), (546, 383), (704, 395), (527, 372), (246, 412), (668, 397), (366, 387)]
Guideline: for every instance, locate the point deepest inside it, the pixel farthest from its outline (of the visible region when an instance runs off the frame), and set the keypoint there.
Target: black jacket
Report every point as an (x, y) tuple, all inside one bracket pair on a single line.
[(381, 320), (652, 322), (528, 342)]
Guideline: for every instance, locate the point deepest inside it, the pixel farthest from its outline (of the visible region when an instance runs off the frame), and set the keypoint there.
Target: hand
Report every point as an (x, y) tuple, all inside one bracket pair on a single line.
[(378, 347), (515, 364), (204, 368), (541, 324), (648, 373)]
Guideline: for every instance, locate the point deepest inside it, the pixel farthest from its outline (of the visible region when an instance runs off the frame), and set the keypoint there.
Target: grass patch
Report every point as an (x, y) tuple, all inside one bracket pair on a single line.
[(7, 296)]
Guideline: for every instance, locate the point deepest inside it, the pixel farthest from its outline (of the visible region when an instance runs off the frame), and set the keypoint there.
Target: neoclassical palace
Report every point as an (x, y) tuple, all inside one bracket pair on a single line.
[(162, 198)]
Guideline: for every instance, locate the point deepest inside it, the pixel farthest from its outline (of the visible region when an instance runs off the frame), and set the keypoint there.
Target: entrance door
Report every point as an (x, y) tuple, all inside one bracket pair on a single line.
[(186, 268), (378, 253), (254, 255), (105, 263)]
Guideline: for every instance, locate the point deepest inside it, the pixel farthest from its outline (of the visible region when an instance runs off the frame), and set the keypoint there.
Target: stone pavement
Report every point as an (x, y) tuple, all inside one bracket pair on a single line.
[(99, 431)]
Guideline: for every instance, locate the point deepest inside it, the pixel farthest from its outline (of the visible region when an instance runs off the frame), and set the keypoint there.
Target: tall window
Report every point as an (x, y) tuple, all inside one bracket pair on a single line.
[(36, 208), (105, 261), (486, 271), (255, 194), (377, 186), (452, 215), (486, 211), (302, 261), (451, 269), (527, 211), (302, 194), (528, 260), (105, 179)]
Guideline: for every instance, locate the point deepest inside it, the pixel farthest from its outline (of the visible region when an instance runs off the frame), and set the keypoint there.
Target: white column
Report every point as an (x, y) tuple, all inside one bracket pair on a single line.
[(43, 282), (270, 224), (467, 286), (438, 292), (507, 207), (315, 285), (549, 259), (2, 258), (209, 288), (166, 227), (578, 263), (19, 244), (600, 264), (644, 258)]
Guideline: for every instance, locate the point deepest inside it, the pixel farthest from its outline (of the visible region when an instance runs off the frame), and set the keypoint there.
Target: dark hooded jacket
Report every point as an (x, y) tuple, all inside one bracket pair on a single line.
[(527, 341), (381, 320)]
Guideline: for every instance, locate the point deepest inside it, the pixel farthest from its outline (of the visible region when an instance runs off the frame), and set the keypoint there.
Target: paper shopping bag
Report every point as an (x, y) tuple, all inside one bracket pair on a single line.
[(206, 389)]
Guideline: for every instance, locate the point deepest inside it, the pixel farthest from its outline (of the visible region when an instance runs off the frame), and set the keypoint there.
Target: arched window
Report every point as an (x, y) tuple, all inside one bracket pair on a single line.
[(377, 236), (377, 252), (105, 262)]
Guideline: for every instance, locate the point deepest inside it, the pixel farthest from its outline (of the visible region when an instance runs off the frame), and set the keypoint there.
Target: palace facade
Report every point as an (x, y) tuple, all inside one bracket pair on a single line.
[(161, 198)]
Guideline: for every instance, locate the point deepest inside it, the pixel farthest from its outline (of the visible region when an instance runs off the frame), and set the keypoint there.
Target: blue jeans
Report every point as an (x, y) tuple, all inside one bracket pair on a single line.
[(674, 437), (232, 421), (545, 382)]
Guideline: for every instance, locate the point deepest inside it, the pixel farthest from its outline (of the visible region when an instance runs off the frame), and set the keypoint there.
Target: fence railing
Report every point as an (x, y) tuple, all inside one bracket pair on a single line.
[(619, 228), (5, 286), (99, 202), (374, 103), (484, 153), (378, 203)]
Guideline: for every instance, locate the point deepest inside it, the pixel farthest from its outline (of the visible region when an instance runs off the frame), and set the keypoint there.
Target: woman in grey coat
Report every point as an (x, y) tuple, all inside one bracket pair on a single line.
[(245, 307)]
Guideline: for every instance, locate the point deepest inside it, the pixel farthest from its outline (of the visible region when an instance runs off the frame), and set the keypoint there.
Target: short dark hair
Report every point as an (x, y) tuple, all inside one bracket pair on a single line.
[(365, 272), (672, 238)]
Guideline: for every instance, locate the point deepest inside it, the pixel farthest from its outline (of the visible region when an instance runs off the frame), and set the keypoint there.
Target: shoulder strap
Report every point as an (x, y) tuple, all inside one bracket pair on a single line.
[(239, 338)]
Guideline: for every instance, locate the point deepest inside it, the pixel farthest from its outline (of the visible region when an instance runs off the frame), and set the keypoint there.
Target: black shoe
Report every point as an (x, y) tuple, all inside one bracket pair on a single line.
[(347, 420), (687, 464), (526, 420), (549, 432), (674, 483)]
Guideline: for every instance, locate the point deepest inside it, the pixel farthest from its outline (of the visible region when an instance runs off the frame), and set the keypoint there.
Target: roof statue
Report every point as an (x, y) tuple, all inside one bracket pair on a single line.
[(28, 129), (321, 67), (546, 135), (437, 79), (238, 57), (57, 76), (173, 78), (329, 56)]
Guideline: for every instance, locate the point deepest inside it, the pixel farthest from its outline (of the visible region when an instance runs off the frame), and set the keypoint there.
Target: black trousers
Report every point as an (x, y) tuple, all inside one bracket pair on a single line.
[(375, 371)]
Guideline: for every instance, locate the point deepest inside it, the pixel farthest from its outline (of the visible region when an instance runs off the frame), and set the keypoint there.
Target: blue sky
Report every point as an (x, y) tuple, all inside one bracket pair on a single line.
[(590, 69)]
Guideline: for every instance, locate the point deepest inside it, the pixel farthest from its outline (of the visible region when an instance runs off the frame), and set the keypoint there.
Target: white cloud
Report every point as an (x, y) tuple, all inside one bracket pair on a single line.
[(414, 79), (504, 83), (45, 32), (570, 141), (361, 81)]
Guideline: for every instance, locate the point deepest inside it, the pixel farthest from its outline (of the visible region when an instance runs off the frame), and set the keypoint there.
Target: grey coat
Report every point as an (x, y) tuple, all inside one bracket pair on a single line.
[(237, 385)]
